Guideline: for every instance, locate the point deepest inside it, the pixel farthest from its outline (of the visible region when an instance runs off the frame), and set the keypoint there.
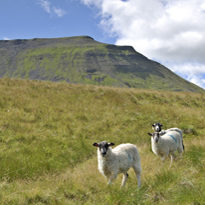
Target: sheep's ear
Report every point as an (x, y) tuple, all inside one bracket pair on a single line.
[(95, 144), (111, 144), (149, 134)]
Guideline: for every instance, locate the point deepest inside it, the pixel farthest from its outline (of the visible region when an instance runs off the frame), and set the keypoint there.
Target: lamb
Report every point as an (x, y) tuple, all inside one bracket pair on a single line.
[(112, 162), (167, 144)]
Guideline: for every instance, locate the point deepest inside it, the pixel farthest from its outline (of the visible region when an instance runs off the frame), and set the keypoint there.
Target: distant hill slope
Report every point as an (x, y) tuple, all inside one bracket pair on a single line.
[(83, 60)]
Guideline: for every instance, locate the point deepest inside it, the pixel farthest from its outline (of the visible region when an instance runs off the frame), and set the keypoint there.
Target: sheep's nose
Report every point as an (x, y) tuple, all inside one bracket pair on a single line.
[(103, 153)]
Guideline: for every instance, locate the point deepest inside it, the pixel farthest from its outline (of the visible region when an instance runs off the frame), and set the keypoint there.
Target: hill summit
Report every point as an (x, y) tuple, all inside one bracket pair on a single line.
[(83, 60)]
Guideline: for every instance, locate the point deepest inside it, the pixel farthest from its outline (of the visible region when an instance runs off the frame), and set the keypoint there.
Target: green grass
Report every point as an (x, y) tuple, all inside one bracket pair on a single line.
[(46, 135)]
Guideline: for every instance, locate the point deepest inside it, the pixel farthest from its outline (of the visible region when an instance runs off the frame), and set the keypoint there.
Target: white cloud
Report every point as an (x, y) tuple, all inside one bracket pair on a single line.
[(5, 38), (197, 81), (195, 73), (189, 68), (59, 12), (172, 32), (46, 5)]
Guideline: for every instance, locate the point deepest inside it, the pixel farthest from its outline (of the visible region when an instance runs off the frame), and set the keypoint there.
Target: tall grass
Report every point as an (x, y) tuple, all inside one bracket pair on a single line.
[(46, 135)]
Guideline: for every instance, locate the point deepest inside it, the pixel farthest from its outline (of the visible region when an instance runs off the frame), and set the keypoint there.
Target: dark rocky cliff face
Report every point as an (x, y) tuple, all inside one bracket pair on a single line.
[(83, 60)]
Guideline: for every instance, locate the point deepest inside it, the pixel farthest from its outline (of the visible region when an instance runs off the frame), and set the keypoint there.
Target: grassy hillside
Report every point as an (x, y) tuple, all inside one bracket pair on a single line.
[(83, 60), (46, 135)]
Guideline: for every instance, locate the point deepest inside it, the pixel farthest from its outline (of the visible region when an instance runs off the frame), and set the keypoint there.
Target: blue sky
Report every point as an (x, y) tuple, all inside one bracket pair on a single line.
[(171, 32), (25, 19)]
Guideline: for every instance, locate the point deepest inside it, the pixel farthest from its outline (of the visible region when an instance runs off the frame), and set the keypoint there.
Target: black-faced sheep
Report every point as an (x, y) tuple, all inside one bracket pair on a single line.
[(157, 127), (167, 144), (112, 162)]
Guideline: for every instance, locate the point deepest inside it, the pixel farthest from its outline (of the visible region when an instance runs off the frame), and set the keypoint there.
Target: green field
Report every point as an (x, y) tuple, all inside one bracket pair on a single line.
[(46, 135)]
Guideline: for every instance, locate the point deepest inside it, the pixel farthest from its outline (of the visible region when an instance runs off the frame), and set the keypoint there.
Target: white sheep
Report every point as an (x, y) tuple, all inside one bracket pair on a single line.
[(157, 127), (112, 162), (167, 144)]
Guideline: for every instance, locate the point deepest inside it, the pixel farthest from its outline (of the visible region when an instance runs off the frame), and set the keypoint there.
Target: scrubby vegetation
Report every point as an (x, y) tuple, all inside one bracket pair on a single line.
[(46, 135)]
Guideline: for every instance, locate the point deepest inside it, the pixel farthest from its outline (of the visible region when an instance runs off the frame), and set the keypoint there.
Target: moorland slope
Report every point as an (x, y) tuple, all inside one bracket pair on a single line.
[(47, 131)]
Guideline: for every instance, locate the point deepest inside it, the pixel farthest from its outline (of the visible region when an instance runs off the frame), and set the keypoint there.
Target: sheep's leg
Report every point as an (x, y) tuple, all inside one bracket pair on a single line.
[(137, 170), (112, 177), (172, 156), (124, 179)]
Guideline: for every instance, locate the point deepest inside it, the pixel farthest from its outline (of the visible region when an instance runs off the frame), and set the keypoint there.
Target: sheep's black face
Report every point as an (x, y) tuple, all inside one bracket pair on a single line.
[(157, 127), (103, 147)]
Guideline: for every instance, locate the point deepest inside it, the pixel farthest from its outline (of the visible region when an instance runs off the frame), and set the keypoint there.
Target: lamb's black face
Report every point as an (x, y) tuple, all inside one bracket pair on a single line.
[(103, 147), (157, 127)]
